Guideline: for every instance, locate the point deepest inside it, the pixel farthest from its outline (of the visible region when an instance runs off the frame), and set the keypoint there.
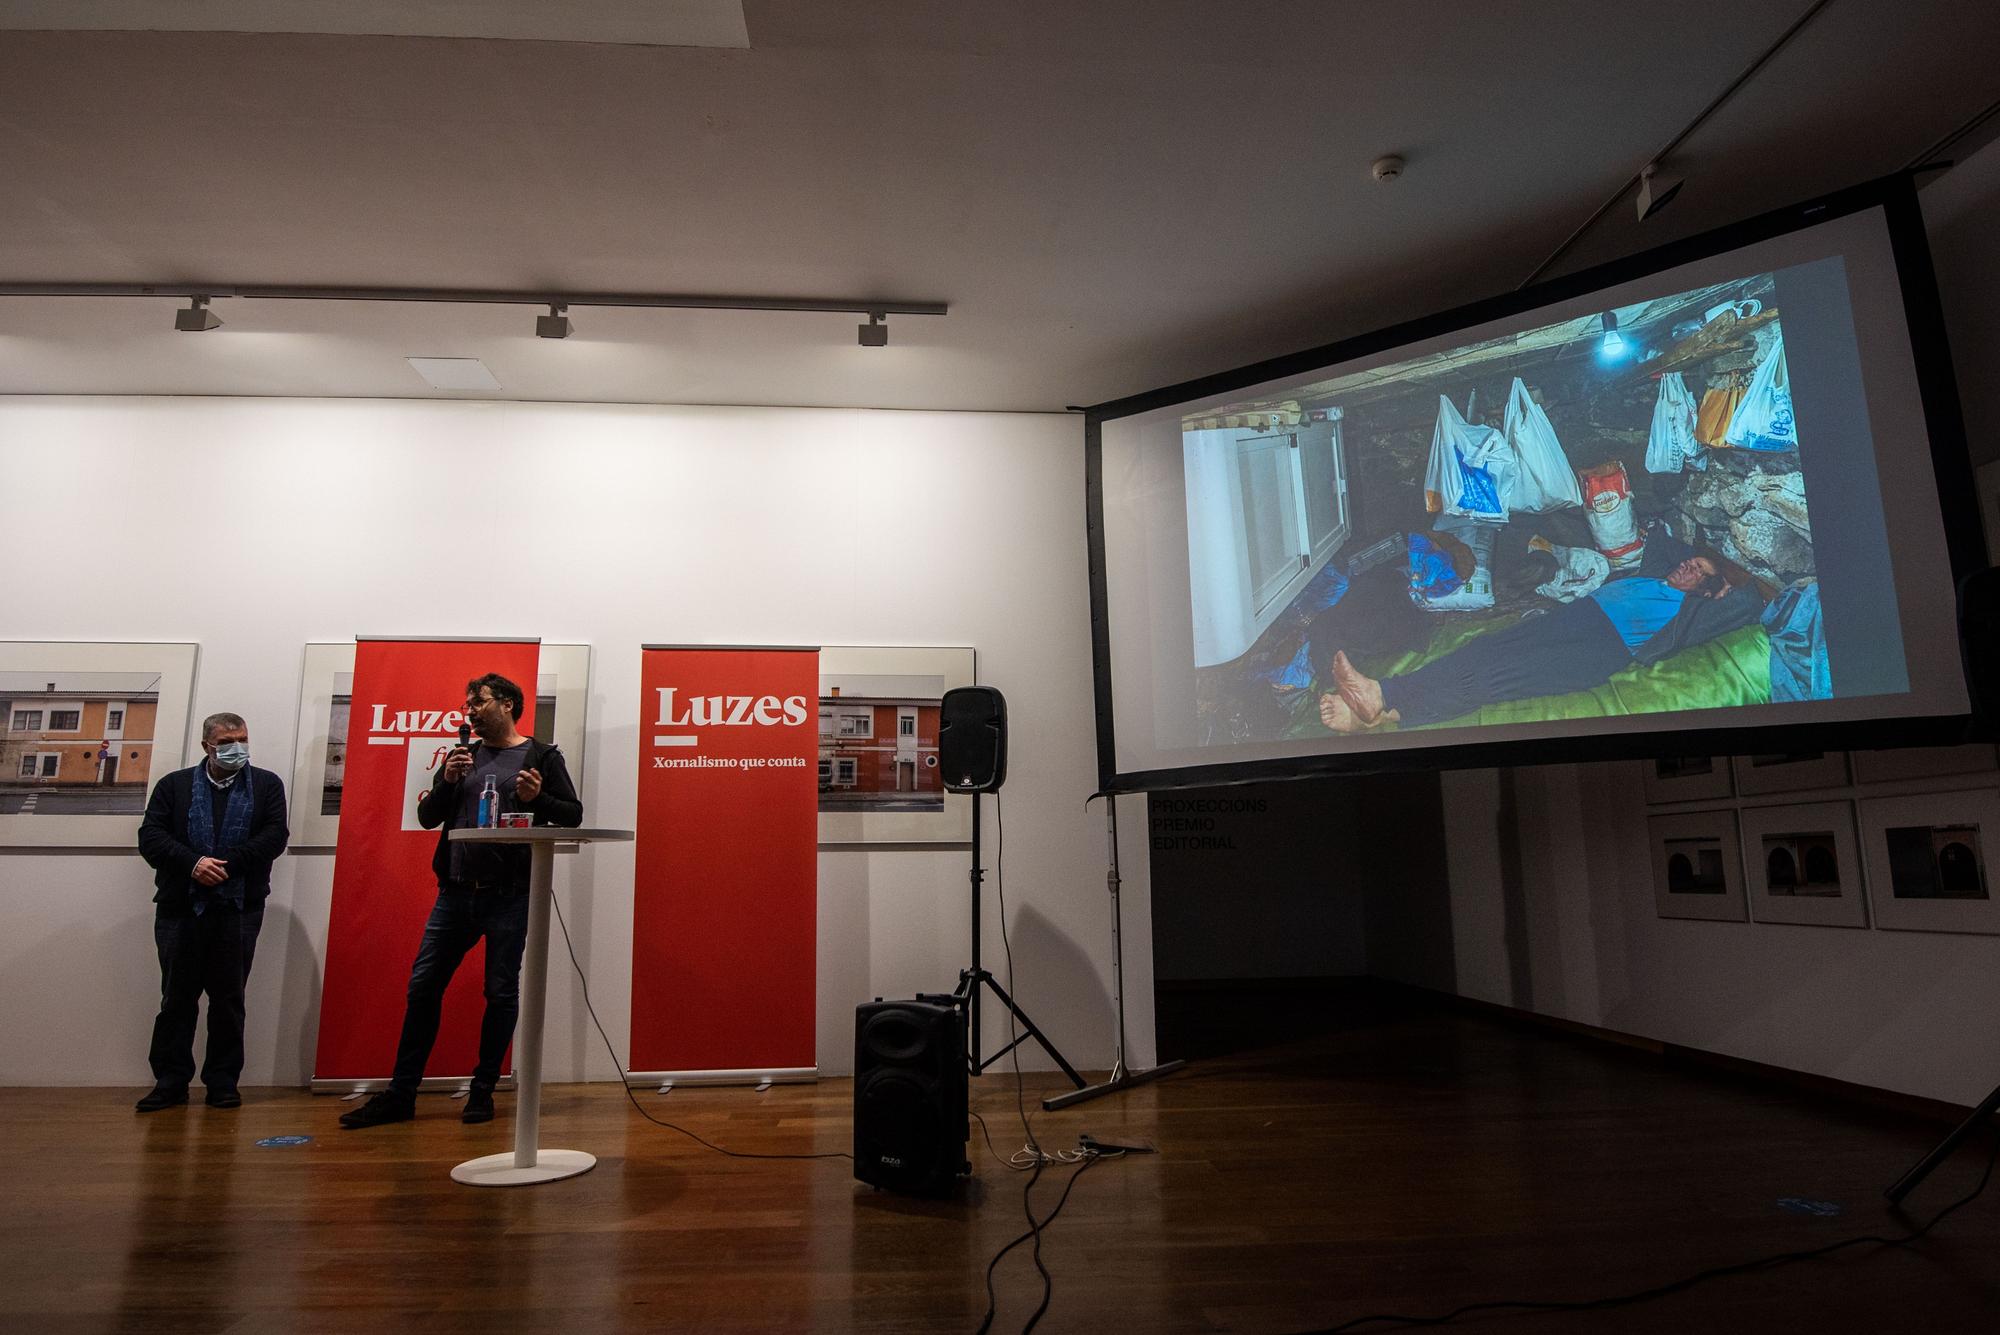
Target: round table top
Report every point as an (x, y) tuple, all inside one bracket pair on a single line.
[(540, 834)]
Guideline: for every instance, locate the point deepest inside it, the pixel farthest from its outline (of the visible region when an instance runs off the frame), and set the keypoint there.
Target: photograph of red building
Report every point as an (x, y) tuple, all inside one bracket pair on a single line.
[(76, 743), (879, 753)]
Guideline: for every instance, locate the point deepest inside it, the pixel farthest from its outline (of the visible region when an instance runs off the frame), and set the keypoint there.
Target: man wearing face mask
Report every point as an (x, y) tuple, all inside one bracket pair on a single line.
[(210, 834)]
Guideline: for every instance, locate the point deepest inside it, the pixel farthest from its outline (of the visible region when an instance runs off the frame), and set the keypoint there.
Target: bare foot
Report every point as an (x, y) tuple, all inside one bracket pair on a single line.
[(1335, 714), (1362, 694)]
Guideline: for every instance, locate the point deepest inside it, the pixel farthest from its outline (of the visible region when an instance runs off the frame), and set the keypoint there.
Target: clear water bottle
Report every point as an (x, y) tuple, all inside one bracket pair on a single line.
[(489, 802)]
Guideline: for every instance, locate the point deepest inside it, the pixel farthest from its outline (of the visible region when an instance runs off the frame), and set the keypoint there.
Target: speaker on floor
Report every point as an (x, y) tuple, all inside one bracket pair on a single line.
[(910, 1119), (972, 739)]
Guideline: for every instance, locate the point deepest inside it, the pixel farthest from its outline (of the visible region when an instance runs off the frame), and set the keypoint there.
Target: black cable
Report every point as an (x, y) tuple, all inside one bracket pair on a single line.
[(1700, 118), (987, 1322), (998, 1158), (617, 1065), (1676, 1286), (1020, 1082)]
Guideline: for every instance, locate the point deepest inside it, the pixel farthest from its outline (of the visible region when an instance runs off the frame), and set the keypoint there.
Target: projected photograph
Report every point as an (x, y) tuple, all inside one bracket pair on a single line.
[(1601, 516)]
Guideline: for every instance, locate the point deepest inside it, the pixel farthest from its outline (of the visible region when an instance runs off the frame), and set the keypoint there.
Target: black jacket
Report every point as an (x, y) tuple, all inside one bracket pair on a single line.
[(163, 837), (556, 804)]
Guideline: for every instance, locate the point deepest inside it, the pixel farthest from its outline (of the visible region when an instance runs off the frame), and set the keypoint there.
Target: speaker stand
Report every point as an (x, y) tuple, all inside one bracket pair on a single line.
[(972, 979), (1121, 1077)]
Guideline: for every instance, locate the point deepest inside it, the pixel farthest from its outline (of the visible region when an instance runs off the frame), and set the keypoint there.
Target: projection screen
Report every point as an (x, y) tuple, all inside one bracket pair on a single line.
[(1713, 499)]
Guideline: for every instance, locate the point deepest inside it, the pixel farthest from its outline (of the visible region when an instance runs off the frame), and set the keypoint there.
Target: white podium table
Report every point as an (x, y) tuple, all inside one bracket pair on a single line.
[(528, 1163)]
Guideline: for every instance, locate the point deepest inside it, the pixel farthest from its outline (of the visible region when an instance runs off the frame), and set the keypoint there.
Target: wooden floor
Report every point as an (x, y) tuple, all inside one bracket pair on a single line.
[(1388, 1158)]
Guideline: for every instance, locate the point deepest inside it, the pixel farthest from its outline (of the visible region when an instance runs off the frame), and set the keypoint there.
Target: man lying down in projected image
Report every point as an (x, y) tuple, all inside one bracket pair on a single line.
[(1677, 599)]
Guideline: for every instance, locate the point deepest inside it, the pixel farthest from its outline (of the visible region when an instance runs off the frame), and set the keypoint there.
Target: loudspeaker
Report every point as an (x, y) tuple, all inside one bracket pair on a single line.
[(910, 1119), (972, 739)]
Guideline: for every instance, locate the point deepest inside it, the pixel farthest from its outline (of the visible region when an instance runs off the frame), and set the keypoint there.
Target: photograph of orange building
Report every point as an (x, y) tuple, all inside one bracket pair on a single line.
[(76, 743), (879, 752)]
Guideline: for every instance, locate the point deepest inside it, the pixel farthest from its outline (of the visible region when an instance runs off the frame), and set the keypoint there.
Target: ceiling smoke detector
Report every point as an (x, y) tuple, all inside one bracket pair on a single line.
[(1387, 168)]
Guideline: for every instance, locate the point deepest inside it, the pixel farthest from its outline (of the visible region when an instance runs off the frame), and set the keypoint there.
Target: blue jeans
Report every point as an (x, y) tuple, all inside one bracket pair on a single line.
[(459, 919)]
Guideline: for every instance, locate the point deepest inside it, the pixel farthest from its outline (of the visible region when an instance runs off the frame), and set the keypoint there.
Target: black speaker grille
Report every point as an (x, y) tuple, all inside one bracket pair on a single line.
[(910, 1096)]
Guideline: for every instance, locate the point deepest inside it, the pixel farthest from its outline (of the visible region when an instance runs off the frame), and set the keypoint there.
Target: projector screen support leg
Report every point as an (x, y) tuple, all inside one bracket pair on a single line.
[(1908, 1182), (1121, 1077)]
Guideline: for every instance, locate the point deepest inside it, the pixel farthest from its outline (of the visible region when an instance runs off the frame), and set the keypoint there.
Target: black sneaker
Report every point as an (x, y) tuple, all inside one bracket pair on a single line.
[(384, 1108), (161, 1097), (223, 1098), (478, 1106)]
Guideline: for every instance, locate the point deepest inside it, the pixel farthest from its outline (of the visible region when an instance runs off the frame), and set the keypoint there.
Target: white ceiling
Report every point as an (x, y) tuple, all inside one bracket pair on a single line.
[(1111, 195)]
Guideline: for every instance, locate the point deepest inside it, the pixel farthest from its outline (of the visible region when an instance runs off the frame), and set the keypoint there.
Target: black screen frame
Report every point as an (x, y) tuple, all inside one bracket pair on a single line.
[(1943, 424)]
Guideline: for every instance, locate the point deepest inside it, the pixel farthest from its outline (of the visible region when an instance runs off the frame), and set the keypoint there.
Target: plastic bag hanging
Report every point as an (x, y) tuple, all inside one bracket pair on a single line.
[(1543, 478), (1763, 421), (1672, 446), (1470, 471), (1718, 406)]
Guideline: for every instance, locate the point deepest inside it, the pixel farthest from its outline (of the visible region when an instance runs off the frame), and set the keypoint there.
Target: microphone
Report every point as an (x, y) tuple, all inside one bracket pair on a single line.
[(465, 734)]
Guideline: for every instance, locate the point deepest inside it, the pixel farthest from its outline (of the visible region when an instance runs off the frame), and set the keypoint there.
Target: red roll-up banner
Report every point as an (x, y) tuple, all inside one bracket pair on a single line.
[(726, 895), (407, 704)]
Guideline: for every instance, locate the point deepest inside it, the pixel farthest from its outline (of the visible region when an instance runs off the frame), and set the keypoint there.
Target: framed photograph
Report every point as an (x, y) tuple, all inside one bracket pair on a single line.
[(1789, 771), (1929, 861), (1920, 762), (1696, 870), (879, 780), (1802, 865), (85, 730), (1686, 778), (319, 764)]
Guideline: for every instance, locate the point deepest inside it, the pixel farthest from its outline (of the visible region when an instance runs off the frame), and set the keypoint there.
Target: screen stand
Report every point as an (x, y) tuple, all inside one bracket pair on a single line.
[(1121, 1077), (1907, 1183), (972, 979)]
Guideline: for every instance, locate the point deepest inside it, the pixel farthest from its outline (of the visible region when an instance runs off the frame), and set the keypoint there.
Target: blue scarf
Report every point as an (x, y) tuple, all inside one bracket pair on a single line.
[(207, 843)]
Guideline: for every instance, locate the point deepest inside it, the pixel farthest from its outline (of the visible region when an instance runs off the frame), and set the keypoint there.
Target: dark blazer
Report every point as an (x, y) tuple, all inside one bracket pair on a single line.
[(556, 804), (163, 837)]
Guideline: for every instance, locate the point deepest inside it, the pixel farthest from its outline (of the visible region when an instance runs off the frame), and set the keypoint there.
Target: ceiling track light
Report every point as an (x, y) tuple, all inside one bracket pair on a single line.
[(197, 318), (555, 324)]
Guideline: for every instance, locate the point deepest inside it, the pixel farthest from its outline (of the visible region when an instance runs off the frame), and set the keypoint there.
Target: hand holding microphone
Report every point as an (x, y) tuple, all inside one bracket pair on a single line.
[(459, 762)]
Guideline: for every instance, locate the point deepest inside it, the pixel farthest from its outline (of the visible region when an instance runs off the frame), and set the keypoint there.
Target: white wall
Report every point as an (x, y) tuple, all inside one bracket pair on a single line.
[(1575, 935), (255, 526), (1551, 891)]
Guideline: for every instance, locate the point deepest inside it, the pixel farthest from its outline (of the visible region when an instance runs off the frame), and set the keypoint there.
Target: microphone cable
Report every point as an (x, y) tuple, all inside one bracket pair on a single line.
[(617, 1065)]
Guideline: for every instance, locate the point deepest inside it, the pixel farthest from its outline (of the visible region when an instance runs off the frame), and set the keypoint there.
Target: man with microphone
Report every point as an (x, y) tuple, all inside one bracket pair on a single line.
[(482, 892)]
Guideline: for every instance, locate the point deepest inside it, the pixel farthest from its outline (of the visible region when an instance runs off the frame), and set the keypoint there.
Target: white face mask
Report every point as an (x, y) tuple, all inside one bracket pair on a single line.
[(232, 756)]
